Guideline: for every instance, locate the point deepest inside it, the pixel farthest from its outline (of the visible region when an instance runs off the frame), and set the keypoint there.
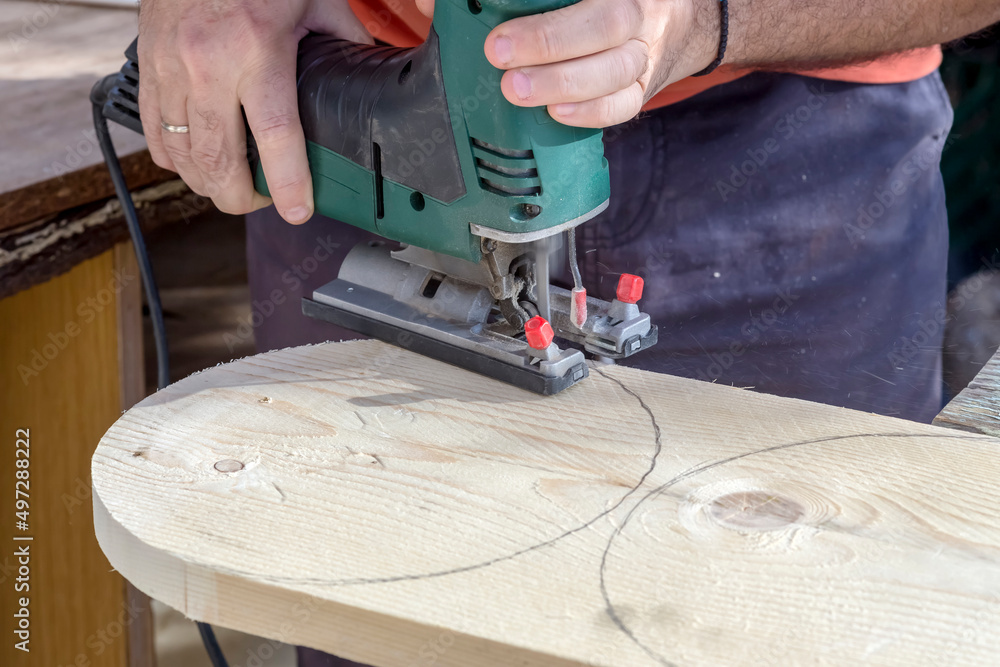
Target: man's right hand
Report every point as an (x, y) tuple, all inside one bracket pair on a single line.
[(200, 62)]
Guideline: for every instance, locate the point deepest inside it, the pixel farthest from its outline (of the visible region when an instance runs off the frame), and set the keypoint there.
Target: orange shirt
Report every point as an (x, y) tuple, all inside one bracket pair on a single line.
[(398, 22), (897, 68)]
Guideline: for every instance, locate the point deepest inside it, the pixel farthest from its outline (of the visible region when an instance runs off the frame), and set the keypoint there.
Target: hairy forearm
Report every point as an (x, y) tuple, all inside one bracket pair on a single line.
[(775, 32)]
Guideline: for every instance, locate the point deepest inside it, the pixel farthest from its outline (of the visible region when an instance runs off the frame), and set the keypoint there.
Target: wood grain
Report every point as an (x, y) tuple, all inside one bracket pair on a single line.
[(33, 202), (977, 407), (79, 614), (398, 511)]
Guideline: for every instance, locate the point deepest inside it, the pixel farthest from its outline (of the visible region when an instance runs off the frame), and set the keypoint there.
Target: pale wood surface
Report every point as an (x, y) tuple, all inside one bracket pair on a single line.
[(977, 407), (396, 510), (77, 603)]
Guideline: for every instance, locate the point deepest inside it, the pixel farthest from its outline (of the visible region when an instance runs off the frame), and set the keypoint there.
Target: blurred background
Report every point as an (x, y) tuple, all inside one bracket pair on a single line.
[(971, 170)]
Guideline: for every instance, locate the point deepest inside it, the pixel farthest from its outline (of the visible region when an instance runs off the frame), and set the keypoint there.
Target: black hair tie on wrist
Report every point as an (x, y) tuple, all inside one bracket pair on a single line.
[(723, 40)]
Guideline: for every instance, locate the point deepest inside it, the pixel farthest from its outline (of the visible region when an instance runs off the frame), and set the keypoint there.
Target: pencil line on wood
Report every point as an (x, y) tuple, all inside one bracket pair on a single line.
[(609, 605), (493, 561)]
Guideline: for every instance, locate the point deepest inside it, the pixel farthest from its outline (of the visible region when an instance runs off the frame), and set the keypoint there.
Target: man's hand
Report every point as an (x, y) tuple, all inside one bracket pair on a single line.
[(595, 63), (200, 61)]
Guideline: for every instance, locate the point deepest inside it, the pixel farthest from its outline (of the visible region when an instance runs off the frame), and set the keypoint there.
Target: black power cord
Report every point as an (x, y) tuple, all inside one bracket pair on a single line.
[(99, 96), (211, 645)]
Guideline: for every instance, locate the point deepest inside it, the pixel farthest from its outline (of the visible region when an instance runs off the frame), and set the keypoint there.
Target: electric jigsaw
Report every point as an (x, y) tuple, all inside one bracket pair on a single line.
[(419, 146)]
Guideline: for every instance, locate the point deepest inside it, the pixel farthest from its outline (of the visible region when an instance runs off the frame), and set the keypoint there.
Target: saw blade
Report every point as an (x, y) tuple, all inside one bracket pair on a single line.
[(542, 277)]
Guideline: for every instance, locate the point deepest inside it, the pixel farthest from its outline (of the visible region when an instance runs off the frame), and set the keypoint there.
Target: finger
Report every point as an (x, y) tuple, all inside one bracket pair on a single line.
[(590, 26), (218, 151), (149, 112), (577, 80), (339, 20), (177, 145), (270, 100), (426, 7), (601, 112)]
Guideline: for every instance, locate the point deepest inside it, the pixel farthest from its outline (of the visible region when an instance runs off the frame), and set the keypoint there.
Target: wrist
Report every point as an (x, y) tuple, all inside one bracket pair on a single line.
[(722, 50), (706, 36), (693, 35)]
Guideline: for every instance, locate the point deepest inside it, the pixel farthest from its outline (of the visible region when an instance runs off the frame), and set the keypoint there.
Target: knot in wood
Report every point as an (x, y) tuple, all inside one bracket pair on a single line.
[(229, 465), (755, 510)]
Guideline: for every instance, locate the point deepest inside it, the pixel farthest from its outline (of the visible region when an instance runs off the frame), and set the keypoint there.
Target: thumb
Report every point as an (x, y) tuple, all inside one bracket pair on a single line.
[(426, 8), (337, 20)]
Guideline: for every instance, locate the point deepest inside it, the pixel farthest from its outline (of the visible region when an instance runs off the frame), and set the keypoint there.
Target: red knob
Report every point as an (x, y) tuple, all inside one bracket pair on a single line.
[(538, 332), (629, 288)]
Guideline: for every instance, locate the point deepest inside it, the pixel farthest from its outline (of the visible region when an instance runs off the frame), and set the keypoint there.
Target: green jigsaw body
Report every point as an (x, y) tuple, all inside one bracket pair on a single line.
[(420, 146), (521, 172)]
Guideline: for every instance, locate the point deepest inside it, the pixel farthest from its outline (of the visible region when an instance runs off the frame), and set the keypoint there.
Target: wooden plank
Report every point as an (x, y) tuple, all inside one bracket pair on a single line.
[(977, 408), (49, 247), (54, 53), (59, 377), (398, 511), (75, 189)]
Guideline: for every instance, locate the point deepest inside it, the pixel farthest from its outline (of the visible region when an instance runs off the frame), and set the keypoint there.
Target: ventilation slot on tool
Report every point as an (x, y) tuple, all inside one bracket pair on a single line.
[(505, 171), (379, 195), (122, 105)]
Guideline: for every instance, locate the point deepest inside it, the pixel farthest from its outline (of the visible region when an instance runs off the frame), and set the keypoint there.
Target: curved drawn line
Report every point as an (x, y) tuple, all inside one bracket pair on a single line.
[(475, 566), (692, 472)]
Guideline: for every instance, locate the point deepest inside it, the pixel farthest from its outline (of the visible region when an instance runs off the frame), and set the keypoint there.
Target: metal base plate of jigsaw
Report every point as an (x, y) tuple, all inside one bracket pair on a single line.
[(434, 343), (453, 311)]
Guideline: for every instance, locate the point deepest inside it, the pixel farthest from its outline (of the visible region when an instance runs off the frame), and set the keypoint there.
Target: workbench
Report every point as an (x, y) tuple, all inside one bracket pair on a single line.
[(70, 320)]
